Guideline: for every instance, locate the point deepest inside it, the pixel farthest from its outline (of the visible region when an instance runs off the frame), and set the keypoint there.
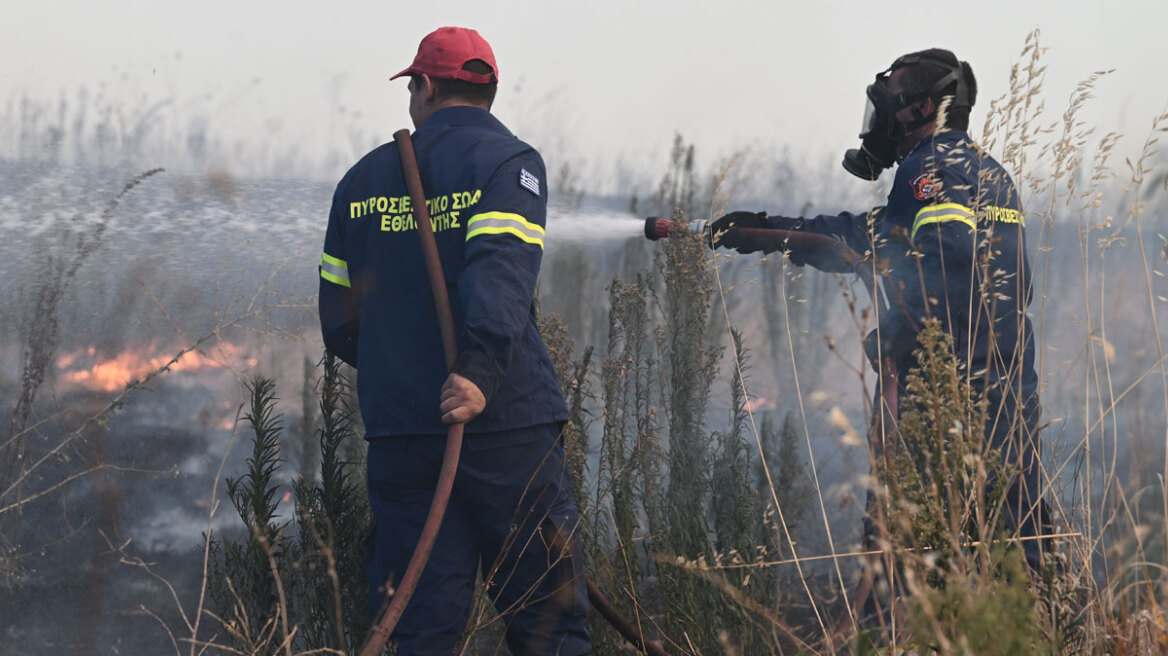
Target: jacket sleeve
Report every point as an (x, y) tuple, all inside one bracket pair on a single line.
[(337, 302), (935, 278), (504, 247), (850, 228)]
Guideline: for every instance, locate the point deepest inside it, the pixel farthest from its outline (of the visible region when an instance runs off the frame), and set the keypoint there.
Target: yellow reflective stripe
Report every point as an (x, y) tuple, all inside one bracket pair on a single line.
[(498, 223), (335, 261), (334, 269), (941, 213), (509, 230)]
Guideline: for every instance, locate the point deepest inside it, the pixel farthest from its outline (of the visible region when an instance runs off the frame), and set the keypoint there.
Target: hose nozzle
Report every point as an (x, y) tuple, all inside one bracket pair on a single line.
[(658, 228)]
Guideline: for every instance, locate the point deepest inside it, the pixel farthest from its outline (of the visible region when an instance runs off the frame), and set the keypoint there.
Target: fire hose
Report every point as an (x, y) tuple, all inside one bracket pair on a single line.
[(405, 588), (409, 581), (883, 421)]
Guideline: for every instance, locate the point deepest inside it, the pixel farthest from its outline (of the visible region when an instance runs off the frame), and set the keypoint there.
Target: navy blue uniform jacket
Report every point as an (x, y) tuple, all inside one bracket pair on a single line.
[(487, 198), (951, 244)]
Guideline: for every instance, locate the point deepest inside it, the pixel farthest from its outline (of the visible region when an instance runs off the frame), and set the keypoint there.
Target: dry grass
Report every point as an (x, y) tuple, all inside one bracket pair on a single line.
[(720, 533)]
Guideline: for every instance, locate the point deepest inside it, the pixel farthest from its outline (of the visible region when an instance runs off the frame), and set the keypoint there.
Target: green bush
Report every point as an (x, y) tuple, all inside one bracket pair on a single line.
[(297, 583)]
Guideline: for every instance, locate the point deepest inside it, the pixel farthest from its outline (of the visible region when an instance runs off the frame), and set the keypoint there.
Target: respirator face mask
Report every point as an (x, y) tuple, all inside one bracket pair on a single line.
[(881, 132)]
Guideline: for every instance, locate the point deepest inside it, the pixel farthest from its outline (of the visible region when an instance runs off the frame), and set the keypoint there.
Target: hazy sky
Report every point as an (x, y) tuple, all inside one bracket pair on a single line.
[(588, 80)]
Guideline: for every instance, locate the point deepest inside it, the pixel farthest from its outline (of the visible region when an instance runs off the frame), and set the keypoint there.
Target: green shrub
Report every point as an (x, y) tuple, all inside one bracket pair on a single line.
[(300, 582)]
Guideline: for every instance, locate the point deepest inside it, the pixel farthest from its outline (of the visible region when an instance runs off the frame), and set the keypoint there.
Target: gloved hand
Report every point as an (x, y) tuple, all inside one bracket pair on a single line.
[(724, 230)]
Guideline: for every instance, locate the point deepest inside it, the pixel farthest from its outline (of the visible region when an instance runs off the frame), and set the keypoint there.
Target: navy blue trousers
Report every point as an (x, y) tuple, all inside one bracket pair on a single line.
[(1012, 432), (511, 518)]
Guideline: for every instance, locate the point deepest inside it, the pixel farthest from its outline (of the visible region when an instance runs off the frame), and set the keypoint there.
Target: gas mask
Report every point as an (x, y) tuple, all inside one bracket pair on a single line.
[(881, 132)]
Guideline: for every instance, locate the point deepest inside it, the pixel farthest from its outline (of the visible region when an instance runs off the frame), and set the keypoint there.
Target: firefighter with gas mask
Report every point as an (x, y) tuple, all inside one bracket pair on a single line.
[(950, 244)]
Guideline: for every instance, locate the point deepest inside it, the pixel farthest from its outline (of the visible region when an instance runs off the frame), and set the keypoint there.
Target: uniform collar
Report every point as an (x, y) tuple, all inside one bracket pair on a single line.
[(946, 136), (464, 116)]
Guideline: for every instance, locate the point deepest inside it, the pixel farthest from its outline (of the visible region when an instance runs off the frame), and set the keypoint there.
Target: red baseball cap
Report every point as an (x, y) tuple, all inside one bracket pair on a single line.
[(443, 52)]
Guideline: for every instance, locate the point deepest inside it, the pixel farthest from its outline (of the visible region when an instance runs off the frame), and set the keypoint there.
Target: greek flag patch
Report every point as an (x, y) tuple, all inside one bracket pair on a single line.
[(528, 181)]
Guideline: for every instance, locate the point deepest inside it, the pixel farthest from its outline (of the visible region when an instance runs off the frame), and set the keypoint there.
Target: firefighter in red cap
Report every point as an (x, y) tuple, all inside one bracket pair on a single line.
[(511, 504)]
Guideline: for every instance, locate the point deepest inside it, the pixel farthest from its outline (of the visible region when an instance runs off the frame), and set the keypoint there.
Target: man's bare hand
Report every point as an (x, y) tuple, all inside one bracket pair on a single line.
[(461, 400)]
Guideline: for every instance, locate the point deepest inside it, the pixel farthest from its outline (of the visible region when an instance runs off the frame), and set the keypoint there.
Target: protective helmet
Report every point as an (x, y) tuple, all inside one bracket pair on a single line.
[(881, 131)]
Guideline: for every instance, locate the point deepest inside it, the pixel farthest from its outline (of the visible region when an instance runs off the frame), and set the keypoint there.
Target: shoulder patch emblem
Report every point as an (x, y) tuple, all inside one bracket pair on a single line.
[(925, 186), (528, 181)]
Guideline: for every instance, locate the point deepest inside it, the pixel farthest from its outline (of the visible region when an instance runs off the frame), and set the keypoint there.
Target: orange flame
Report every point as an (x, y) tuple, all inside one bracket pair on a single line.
[(85, 369), (758, 403)]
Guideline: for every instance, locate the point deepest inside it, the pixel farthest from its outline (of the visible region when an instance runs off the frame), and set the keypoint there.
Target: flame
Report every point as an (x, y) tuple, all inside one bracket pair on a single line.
[(85, 369), (758, 403)]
